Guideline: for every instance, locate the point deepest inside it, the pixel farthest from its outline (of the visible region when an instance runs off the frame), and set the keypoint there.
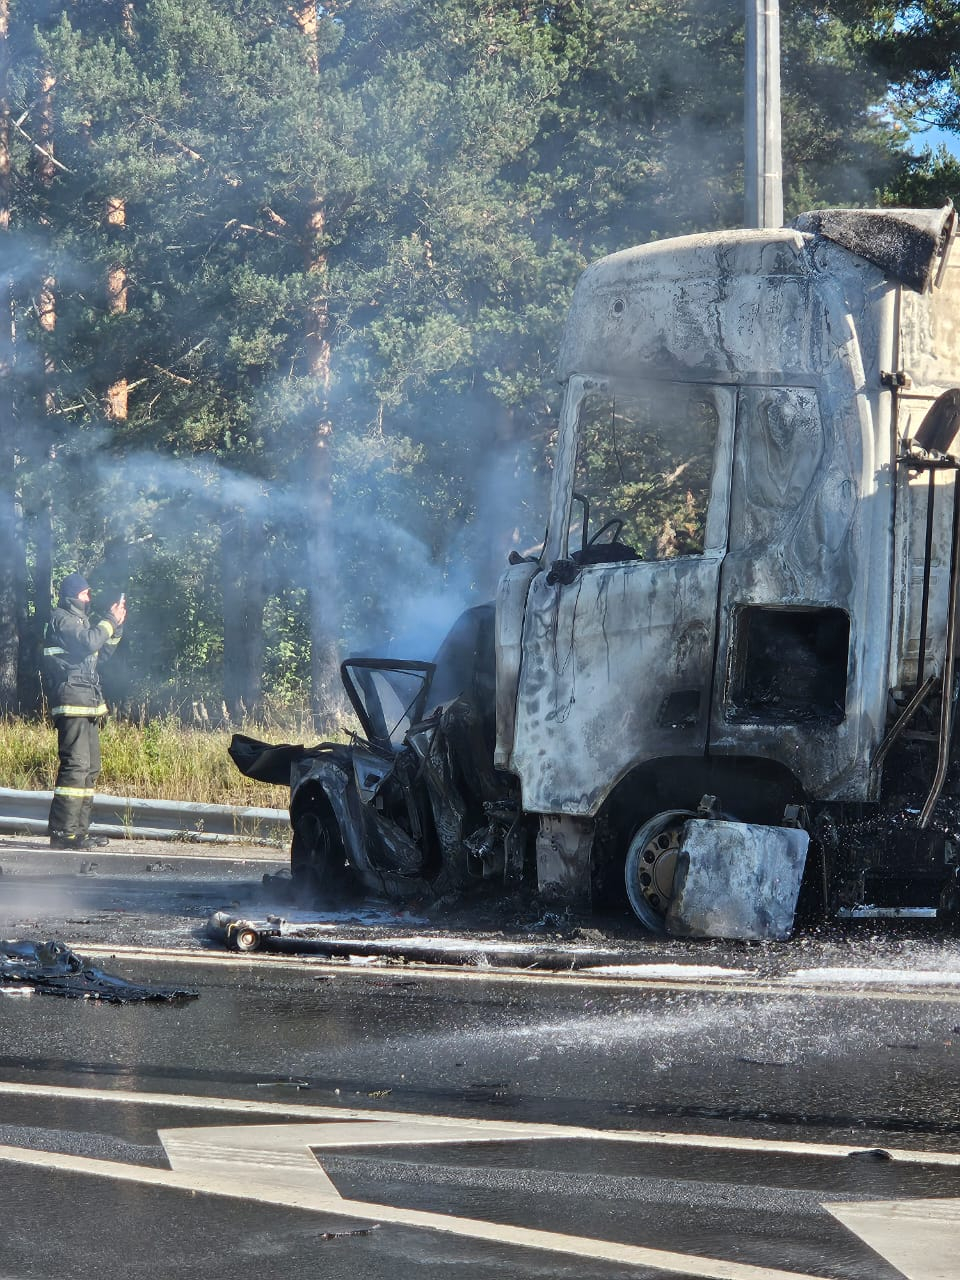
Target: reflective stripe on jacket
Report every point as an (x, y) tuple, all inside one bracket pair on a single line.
[(72, 647)]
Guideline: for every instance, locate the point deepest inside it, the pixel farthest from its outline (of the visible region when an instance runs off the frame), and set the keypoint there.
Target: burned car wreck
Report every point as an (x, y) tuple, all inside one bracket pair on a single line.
[(414, 807)]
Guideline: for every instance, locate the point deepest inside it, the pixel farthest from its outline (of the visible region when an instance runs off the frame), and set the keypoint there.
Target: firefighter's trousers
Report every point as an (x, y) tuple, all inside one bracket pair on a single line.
[(78, 745)]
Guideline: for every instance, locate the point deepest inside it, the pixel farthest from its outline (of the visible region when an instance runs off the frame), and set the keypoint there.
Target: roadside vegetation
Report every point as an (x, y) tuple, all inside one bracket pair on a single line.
[(160, 760)]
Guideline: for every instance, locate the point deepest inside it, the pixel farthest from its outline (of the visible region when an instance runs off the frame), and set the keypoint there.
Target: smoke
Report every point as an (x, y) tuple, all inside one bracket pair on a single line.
[(399, 596), (466, 289), (509, 503)]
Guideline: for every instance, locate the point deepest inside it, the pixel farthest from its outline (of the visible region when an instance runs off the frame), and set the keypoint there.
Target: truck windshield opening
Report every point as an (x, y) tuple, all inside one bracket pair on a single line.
[(645, 457)]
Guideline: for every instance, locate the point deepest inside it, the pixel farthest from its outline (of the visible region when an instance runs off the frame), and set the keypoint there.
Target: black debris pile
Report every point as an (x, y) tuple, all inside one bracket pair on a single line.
[(53, 969)]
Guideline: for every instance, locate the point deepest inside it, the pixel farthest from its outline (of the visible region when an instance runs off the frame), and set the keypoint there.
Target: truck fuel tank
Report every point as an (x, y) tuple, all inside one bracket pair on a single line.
[(735, 880)]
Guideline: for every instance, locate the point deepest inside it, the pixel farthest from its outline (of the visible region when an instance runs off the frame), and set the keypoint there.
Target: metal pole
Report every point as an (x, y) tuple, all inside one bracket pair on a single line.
[(927, 566), (763, 177), (949, 662)]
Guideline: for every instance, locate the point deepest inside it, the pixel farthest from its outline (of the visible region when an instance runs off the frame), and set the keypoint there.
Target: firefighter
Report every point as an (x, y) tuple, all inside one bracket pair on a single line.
[(71, 650)]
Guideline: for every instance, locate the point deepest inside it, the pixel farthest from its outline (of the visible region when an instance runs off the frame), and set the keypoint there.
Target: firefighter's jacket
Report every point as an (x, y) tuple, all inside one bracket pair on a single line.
[(71, 649)]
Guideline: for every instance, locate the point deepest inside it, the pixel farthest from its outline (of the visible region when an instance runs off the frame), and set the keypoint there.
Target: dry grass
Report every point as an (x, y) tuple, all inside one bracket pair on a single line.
[(157, 761)]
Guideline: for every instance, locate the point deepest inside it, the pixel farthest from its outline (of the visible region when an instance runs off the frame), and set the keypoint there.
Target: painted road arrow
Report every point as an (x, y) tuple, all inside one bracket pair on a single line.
[(277, 1164), (921, 1238)]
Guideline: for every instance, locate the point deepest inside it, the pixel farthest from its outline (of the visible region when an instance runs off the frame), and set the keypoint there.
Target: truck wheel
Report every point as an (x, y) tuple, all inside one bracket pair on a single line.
[(246, 939), (318, 863), (651, 866)]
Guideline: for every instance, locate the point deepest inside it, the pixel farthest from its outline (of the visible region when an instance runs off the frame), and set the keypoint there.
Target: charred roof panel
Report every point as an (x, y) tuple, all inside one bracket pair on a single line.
[(706, 306)]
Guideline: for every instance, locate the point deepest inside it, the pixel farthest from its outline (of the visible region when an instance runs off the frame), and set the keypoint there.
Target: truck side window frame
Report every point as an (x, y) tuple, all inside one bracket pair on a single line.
[(724, 400)]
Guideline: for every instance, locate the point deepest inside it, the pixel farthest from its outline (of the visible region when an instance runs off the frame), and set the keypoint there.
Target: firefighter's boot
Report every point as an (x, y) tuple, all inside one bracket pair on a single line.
[(66, 816), (87, 841)]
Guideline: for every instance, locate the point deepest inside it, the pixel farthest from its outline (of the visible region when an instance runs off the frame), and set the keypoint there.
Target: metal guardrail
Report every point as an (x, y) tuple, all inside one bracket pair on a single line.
[(123, 816)]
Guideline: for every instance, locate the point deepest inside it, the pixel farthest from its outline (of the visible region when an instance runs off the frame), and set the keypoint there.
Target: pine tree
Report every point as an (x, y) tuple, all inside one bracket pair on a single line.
[(311, 267)]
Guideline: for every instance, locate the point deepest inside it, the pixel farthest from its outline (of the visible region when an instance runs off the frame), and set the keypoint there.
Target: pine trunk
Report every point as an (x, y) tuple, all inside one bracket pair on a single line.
[(243, 576), (326, 694), (39, 515), (114, 219)]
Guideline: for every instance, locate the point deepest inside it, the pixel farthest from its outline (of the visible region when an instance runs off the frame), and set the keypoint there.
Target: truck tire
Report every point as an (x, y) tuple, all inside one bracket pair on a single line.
[(651, 862)]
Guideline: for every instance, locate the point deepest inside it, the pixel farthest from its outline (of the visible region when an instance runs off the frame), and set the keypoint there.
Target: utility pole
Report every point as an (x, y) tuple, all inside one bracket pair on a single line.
[(763, 164)]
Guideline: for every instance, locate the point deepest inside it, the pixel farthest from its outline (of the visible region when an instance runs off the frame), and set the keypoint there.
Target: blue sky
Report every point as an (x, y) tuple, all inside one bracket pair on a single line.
[(934, 137)]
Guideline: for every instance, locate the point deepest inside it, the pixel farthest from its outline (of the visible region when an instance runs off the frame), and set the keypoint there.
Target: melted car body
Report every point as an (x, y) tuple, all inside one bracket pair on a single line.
[(413, 807)]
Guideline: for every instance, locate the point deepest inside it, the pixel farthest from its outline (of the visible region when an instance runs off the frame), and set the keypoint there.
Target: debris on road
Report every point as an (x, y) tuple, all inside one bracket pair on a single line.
[(309, 933), (53, 969), (346, 1235)]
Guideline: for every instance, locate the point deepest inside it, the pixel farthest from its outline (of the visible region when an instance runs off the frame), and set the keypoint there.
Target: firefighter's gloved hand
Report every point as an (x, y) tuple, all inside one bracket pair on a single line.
[(563, 572)]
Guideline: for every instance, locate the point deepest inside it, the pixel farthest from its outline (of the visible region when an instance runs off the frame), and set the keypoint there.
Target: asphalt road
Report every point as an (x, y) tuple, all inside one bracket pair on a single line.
[(679, 1109)]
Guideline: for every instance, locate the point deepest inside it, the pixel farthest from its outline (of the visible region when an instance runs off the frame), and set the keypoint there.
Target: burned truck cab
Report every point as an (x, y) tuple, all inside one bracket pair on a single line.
[(749, 572)]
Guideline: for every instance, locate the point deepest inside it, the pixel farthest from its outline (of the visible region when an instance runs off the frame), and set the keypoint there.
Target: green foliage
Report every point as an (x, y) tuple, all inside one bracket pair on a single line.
[(926, 181), (418, 192)]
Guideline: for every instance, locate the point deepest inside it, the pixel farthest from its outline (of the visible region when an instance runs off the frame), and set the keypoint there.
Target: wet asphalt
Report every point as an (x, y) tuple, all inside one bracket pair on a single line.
[(794, 1043)]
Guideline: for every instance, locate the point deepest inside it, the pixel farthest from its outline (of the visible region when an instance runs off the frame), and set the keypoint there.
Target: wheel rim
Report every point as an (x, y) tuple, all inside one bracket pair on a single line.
[(651, 867)]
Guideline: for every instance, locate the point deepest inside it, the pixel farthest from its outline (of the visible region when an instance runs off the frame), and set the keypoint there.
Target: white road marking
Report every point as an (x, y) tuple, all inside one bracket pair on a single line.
[(921, 1238), (274, 1165), (186, 955), (517, 1128), (196, 853)]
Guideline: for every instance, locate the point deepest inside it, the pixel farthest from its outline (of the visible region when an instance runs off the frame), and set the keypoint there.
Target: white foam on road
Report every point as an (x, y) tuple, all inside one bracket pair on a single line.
[(671, 972), (865, 977)]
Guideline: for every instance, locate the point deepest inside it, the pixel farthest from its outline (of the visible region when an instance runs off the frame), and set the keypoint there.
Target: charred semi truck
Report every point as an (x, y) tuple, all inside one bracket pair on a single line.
[(727, 684)]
